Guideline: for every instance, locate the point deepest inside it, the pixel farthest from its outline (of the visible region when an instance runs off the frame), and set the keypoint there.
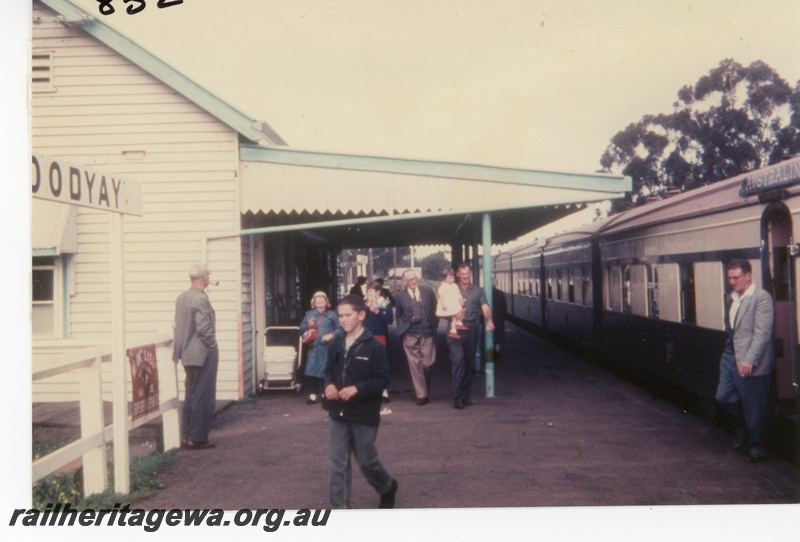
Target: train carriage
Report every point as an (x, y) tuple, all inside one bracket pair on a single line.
[(647, 287)]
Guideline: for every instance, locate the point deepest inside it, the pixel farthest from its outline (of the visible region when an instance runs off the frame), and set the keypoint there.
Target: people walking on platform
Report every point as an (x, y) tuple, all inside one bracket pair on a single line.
[(416, 326), (355, 375), (360, 287), (195, 345), (746, 363), (318, 326), (449, 302), (462, 349), (386, 293), (379, 317)]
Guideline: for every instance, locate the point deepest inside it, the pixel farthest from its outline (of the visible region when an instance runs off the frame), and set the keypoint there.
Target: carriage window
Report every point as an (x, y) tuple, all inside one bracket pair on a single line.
[(586, 287), (559, 285), (607, 289), (652, 291), (570, 286), (626, 288), (688, 312), (549, 284)]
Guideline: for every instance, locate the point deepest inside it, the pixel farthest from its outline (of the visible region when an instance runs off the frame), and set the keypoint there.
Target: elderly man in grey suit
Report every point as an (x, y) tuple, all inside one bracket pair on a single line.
[(415, 312), (744, 382), (196, 346)]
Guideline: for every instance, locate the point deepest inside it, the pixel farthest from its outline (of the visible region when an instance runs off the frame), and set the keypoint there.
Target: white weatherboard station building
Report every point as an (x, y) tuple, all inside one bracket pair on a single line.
[(220, 187)]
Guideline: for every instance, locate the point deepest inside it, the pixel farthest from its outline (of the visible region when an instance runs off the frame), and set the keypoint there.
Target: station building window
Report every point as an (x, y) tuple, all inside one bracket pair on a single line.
[(46, 296)]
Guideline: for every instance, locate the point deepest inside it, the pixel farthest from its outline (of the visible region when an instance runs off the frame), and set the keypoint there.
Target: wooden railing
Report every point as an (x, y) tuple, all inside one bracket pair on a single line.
[(64, 358)]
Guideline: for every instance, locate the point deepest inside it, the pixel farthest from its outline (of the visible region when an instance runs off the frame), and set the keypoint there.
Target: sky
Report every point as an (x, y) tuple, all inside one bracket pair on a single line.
[(536, 84), (523, 83)]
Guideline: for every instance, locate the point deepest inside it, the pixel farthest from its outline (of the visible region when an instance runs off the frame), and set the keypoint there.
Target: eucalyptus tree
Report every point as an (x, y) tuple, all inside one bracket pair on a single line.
[(733, 119)]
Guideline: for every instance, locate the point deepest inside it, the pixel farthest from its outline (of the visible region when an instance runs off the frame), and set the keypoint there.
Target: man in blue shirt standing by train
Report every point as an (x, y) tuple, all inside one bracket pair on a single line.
[(746, 364)]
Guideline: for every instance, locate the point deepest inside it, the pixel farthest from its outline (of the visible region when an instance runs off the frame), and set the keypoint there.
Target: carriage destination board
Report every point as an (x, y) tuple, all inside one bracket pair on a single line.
[(144, 380), (769, 178)]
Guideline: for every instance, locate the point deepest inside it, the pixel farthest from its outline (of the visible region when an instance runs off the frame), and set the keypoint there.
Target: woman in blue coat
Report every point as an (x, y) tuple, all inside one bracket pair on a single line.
[(326, 323)]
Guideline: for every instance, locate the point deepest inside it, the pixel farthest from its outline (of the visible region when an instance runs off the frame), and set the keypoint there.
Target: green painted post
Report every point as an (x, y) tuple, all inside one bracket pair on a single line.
[(487, 289)]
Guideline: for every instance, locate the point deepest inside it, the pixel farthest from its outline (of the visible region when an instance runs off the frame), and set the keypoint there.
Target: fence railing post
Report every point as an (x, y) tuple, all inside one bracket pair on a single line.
[(170, 420), (95, 474)]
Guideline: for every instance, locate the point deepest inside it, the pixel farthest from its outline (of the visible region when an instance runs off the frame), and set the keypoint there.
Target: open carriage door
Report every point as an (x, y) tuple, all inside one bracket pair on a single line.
[(780, 280)]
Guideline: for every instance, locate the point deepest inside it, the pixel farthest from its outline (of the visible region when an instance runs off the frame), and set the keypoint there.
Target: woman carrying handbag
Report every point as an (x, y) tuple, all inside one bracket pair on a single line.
[(319, 326)]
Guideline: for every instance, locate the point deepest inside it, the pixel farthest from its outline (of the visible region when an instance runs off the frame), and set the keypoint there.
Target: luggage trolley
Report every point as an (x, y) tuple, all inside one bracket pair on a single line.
[(283, 348)]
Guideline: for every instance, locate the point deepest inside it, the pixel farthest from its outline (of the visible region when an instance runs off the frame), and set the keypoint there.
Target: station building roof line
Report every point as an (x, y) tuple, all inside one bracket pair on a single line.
[(248, 128), (293, 156), (414, 201)]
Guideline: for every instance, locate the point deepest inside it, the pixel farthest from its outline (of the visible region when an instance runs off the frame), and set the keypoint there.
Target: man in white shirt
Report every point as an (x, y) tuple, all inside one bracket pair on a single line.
[(746, 363)]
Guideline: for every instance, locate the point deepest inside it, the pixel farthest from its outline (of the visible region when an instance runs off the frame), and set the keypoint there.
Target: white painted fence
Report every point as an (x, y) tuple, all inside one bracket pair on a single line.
[(78, 369)]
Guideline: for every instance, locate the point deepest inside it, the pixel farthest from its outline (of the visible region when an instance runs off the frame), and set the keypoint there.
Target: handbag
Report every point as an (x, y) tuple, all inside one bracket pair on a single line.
[(309, 336)]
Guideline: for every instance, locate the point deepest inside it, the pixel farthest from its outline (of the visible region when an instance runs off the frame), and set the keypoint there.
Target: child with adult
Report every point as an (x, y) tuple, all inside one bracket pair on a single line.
[(450, 302)]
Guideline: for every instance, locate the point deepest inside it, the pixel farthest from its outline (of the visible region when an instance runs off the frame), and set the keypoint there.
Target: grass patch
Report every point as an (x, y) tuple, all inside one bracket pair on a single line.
[(42, 449), (65, 488)]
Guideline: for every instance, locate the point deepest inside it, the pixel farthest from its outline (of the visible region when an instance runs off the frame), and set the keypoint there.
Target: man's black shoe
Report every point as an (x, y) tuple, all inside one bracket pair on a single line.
[(739, 440), (190, 445), (458, 403), (422, 401), (468, 402), (755, 458), (387, 499)]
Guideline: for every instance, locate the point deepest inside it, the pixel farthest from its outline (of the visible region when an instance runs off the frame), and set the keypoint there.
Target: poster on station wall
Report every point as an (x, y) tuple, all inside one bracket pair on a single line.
[(144, 379)]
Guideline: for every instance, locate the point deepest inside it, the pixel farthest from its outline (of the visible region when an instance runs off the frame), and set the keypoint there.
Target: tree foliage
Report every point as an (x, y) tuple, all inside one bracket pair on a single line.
[(734, 119), (383, 259), (433, 264)]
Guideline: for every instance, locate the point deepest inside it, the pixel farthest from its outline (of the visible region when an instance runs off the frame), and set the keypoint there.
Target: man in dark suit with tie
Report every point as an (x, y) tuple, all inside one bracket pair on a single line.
[(195, 345), (744, 381), (415, 307)]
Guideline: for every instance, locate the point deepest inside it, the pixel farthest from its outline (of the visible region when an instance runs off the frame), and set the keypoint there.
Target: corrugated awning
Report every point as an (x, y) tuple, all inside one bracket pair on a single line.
[(277, 188), (281, 185), (53, 228)]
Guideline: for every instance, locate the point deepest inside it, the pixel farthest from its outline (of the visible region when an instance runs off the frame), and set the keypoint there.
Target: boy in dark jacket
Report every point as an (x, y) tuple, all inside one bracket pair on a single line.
[(356, 374)]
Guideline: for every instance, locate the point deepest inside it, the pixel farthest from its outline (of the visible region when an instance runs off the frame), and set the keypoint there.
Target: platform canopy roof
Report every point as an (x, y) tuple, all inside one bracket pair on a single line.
[(373, 201)]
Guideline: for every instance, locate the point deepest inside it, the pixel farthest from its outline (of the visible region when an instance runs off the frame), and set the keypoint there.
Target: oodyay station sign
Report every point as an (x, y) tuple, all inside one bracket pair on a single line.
[(56, 180)]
